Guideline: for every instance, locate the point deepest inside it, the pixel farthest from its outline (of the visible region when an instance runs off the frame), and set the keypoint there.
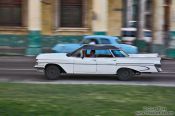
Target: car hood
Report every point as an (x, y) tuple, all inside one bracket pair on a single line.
[(66, 48), (51, 56)]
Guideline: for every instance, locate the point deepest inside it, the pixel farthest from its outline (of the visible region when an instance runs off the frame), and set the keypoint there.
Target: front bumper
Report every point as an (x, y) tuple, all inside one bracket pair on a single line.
[(39, 69)]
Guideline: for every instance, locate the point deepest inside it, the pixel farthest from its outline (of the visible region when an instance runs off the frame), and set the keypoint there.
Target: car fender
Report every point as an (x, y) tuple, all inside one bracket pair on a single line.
[(139, 68), (61, 67)]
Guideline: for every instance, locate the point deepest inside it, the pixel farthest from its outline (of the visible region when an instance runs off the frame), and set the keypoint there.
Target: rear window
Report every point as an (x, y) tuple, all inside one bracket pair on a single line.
[(119, 53), (105, 41), (89, 41), (118, 41)]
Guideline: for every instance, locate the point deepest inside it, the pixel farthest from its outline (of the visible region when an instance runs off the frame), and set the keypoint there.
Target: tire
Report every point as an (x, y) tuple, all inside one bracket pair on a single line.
[(52, 72), (125, 74)]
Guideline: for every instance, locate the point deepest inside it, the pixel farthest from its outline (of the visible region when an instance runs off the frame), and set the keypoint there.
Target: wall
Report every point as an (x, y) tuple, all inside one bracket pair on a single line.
[(50, 17), (115, 17)]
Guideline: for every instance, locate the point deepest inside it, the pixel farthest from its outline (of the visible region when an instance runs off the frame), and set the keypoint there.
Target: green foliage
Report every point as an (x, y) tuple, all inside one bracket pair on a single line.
[(81, 100)]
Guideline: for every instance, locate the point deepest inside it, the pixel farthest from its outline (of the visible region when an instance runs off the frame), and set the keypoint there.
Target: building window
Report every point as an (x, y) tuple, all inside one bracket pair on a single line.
[(71, 13), (135, 10), (10, 12), (148, 14)]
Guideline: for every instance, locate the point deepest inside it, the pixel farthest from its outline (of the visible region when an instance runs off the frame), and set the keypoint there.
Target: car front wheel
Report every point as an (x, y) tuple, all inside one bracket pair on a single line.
[(52, 72), (125, 74)]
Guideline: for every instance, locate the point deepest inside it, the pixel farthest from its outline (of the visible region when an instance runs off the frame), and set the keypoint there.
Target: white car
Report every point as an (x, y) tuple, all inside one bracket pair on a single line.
[(107, 59)]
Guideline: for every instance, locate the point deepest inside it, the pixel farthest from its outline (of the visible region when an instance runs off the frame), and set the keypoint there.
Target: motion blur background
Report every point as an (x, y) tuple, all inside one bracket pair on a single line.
[(30, 27)]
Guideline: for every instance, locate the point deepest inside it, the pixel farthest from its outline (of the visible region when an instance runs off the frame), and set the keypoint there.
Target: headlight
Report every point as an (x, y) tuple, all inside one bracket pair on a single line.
[(36, 63)]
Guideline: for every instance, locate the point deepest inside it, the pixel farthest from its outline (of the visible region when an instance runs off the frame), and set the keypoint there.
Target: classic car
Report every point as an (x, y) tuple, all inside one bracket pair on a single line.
[(95, 39), (107, 59)]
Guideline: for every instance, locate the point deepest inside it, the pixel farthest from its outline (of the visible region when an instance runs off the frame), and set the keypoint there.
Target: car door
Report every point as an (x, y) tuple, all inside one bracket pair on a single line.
[(85, 65), (106, 66), (106, 63)]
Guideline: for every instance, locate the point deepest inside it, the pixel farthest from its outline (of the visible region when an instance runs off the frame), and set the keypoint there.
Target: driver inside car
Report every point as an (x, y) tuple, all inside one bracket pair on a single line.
[(92, 54)]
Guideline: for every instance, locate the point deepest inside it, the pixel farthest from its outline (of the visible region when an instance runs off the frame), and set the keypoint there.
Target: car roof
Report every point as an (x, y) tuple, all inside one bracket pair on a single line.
[(99, 36), (99, 47)]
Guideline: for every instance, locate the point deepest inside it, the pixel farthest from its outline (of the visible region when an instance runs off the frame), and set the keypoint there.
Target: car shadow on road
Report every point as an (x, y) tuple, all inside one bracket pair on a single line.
[(141, 78), (24, 76)]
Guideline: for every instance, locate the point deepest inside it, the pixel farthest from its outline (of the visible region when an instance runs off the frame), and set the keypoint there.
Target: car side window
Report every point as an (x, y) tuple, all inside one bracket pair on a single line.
[(98, 53), (77, 53), (103, 53), (90, 53), (90, 41), (105, 41)]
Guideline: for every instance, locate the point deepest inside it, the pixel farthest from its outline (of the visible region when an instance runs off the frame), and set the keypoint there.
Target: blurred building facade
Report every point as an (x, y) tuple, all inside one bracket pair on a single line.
[(37, 24), (43, 23), (157, 16), (171, 48)]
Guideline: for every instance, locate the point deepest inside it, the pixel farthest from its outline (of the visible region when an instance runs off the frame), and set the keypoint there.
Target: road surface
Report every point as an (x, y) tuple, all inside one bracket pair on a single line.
[(20, 70)]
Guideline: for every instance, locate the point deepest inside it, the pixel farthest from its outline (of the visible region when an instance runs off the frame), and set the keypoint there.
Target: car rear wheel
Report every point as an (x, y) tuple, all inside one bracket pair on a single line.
[(125, 74), (52, 72)]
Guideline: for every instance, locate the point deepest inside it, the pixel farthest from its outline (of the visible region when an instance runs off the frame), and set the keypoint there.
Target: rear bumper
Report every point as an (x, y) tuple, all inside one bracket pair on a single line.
[(158, 67)]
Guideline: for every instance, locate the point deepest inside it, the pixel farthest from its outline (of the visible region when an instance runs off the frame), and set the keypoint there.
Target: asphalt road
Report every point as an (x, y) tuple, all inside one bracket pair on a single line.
[(20, 69)]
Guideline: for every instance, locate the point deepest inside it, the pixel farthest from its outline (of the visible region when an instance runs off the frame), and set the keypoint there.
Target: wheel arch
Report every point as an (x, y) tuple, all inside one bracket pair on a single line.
[(134, 70), (61, 69)]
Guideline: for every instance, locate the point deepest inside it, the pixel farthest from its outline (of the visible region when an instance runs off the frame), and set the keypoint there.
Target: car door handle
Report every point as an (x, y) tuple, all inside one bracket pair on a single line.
[(114, 60), (94, 60)]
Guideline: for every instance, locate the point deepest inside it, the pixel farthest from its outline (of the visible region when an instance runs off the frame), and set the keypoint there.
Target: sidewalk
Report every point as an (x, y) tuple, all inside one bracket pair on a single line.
[(18, 51), (10, 51), (17, 59)]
